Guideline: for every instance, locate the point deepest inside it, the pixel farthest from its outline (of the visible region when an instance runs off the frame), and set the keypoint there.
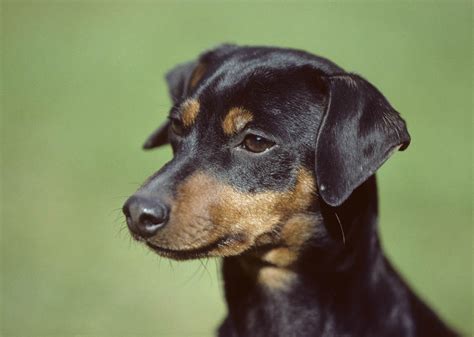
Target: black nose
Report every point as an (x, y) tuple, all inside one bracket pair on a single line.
[(145, 216)]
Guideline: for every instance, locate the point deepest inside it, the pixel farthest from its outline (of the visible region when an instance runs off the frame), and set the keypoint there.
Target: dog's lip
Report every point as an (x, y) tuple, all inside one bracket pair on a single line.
[(187, 253)]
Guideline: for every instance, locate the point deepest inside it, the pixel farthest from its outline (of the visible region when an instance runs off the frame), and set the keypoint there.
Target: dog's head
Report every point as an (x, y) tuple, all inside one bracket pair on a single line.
[(261, 138)]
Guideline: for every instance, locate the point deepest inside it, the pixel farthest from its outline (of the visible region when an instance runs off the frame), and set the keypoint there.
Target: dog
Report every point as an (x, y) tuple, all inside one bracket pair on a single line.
[(274, 159)]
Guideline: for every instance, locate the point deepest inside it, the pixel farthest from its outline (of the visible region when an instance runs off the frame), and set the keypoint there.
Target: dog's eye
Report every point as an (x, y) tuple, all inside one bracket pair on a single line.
[(257, 144), (177, 127)]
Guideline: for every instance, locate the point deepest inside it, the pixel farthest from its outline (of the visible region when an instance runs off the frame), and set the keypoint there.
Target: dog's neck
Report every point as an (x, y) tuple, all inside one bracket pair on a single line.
[(328, 286)]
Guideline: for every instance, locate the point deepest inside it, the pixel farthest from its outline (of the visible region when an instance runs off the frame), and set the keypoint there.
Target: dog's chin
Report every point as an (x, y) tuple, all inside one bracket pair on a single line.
[(225, 246)]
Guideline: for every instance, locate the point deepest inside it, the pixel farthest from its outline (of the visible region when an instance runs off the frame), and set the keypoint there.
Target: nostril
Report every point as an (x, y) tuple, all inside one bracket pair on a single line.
[(151, 222), (126, 212), (152, 219)]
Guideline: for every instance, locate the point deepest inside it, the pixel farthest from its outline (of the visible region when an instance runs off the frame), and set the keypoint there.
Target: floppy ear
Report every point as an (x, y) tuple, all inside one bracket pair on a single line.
[(158, 137), (180, 80), (358, 133)]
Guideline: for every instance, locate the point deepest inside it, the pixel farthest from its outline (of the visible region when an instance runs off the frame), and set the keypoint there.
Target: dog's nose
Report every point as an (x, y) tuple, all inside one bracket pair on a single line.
[(145, 216)]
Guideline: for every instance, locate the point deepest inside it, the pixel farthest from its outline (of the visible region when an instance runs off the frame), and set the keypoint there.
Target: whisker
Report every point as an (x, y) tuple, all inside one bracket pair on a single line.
[(204, 265), (342, 229), (171, 265), (122, 229), (185, 283), (217, 269)]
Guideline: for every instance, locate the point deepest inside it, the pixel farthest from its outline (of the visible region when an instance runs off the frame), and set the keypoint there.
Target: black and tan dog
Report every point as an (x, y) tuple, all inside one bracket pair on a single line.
[(275, 152)]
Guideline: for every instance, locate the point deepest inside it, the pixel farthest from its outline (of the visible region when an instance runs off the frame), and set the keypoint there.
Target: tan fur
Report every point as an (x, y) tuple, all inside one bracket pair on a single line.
[(205, 210), (294, 234), (273, 278), (235, 120), (197, 75), (189, 112)]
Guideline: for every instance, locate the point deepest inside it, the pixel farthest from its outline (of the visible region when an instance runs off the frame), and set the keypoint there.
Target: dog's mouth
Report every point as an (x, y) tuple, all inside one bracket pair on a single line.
[(213, 249)]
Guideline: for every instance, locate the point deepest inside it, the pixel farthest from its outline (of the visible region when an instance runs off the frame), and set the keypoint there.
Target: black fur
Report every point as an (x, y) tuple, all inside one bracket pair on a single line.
[(344, 289), (326, 120)]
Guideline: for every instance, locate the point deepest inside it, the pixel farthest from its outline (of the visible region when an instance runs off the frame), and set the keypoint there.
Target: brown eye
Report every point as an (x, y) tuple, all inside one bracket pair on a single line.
[(257, 144), (177, 127)]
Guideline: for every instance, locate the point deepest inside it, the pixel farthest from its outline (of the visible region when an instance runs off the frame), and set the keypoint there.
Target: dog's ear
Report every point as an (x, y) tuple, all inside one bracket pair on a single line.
[(358, 133), (181, 79), (159, 137)]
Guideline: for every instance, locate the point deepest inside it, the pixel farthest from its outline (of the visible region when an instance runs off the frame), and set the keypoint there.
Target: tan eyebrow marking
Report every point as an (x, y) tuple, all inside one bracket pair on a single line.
[(189, 112), (236, 120)]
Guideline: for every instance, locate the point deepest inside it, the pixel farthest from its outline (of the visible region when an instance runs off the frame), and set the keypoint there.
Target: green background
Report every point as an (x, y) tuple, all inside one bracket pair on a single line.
[(82, 86)]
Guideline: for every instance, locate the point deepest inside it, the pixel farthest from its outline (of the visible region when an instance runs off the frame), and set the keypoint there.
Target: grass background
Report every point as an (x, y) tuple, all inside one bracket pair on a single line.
[(82, 86)]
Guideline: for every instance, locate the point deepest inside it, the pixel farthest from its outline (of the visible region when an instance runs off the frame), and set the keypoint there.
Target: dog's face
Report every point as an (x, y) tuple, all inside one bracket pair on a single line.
[(261, 137)]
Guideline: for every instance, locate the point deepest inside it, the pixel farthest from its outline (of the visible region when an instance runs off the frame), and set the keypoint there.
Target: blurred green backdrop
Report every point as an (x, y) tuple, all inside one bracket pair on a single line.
[(82, 88)]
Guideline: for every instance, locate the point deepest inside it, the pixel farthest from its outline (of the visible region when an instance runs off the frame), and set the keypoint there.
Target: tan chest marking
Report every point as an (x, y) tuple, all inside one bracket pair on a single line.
[(276, 279)]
